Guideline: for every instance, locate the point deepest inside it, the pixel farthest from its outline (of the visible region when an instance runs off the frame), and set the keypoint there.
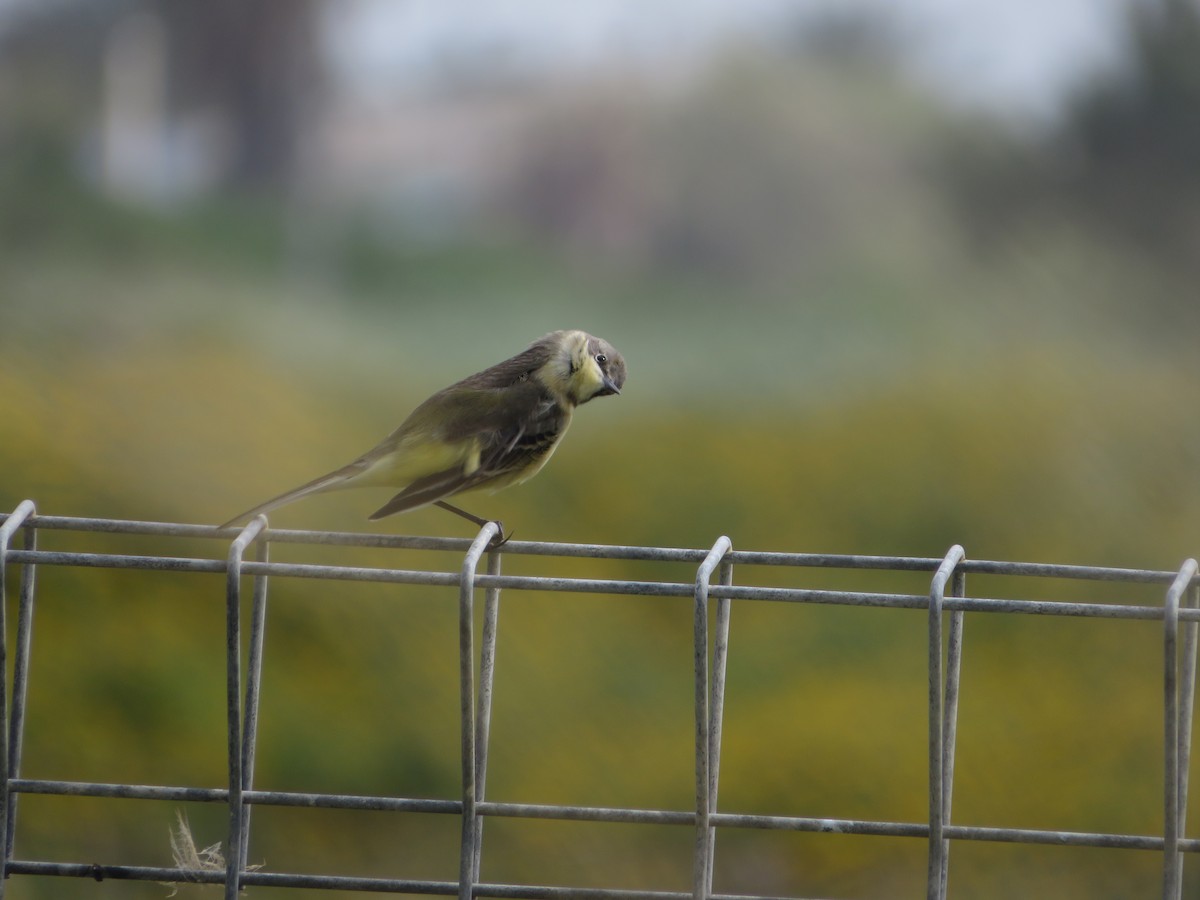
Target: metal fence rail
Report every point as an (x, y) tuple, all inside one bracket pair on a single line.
[(947, 604)]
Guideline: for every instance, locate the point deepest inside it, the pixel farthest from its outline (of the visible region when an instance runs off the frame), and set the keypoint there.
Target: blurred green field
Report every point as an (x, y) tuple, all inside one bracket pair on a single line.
[(1041, 453)]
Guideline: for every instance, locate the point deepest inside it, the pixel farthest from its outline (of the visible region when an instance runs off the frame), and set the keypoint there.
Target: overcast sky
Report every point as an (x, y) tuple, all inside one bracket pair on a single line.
[(1011, 54)]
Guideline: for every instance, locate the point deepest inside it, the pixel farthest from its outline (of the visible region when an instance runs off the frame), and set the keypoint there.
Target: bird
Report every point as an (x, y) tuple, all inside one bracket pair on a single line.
[(493, 429)]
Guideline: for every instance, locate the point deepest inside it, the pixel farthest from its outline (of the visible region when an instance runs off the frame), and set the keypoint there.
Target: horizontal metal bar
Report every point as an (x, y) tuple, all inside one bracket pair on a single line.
[(1064, 838), (586, 813), (601, 814), (956, 832), (354, 801), (349, 801), (608, 551), (221, 795), (119, 561), (597, 586), (119, 791), (99, 872), (361, 539)]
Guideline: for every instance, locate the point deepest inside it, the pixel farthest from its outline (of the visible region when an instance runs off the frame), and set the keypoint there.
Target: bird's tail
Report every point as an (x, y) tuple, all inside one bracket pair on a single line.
[(340, 478)]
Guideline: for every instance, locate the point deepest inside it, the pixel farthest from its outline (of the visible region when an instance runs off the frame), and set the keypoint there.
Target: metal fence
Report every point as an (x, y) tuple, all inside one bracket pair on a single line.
[(946, 602)]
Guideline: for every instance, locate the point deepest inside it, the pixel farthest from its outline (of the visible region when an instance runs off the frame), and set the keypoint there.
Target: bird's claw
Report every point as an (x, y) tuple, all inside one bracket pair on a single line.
[(500, 538)]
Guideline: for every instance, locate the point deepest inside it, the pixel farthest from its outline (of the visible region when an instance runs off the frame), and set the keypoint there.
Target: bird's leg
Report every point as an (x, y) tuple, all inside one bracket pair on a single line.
[(498, 541), (461, 512)]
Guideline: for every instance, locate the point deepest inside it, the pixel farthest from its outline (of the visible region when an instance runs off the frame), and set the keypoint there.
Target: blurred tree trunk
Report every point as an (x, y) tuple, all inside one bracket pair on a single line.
[(255, 63), (1123, 161), (250, 66), (1136, 134)]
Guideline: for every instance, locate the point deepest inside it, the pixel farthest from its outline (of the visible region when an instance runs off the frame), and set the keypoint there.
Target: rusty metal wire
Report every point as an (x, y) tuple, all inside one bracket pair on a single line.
[(947, 604)]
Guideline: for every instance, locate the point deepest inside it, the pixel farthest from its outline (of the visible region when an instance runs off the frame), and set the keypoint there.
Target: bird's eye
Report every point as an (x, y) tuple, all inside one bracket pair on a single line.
[(601, 358)]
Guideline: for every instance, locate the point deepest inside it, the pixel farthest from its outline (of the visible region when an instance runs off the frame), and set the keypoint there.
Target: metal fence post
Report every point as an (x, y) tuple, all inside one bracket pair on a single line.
[(483, 708), (10, 750), (943, 716), (1179, 681), (258, 625), (468, 860), (233, 700), (710, 699)]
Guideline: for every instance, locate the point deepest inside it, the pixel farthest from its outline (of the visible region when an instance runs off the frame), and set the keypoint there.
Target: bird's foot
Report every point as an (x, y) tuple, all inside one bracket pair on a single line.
[(500, 538)]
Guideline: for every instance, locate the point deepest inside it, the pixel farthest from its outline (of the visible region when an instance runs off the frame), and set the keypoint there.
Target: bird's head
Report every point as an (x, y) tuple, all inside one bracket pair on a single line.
[(582, 367)]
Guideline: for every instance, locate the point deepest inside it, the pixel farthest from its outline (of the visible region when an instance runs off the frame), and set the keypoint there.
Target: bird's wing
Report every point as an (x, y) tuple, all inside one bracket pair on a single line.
[(423, 491), (462, 413), (510, 437)]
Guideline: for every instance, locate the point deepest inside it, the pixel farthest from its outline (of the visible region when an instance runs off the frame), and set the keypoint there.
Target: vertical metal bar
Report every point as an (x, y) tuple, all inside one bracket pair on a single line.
[(950, 713), (938, 790), (25, 509), (1187, 701), (702, 859), (258, 623), (20, 682), (233, 702), (466, 664), (1173, 779), (717, 714), (483, 720)]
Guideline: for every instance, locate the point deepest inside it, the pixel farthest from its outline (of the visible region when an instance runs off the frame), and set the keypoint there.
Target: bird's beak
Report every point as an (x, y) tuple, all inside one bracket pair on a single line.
[(610, 387)]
